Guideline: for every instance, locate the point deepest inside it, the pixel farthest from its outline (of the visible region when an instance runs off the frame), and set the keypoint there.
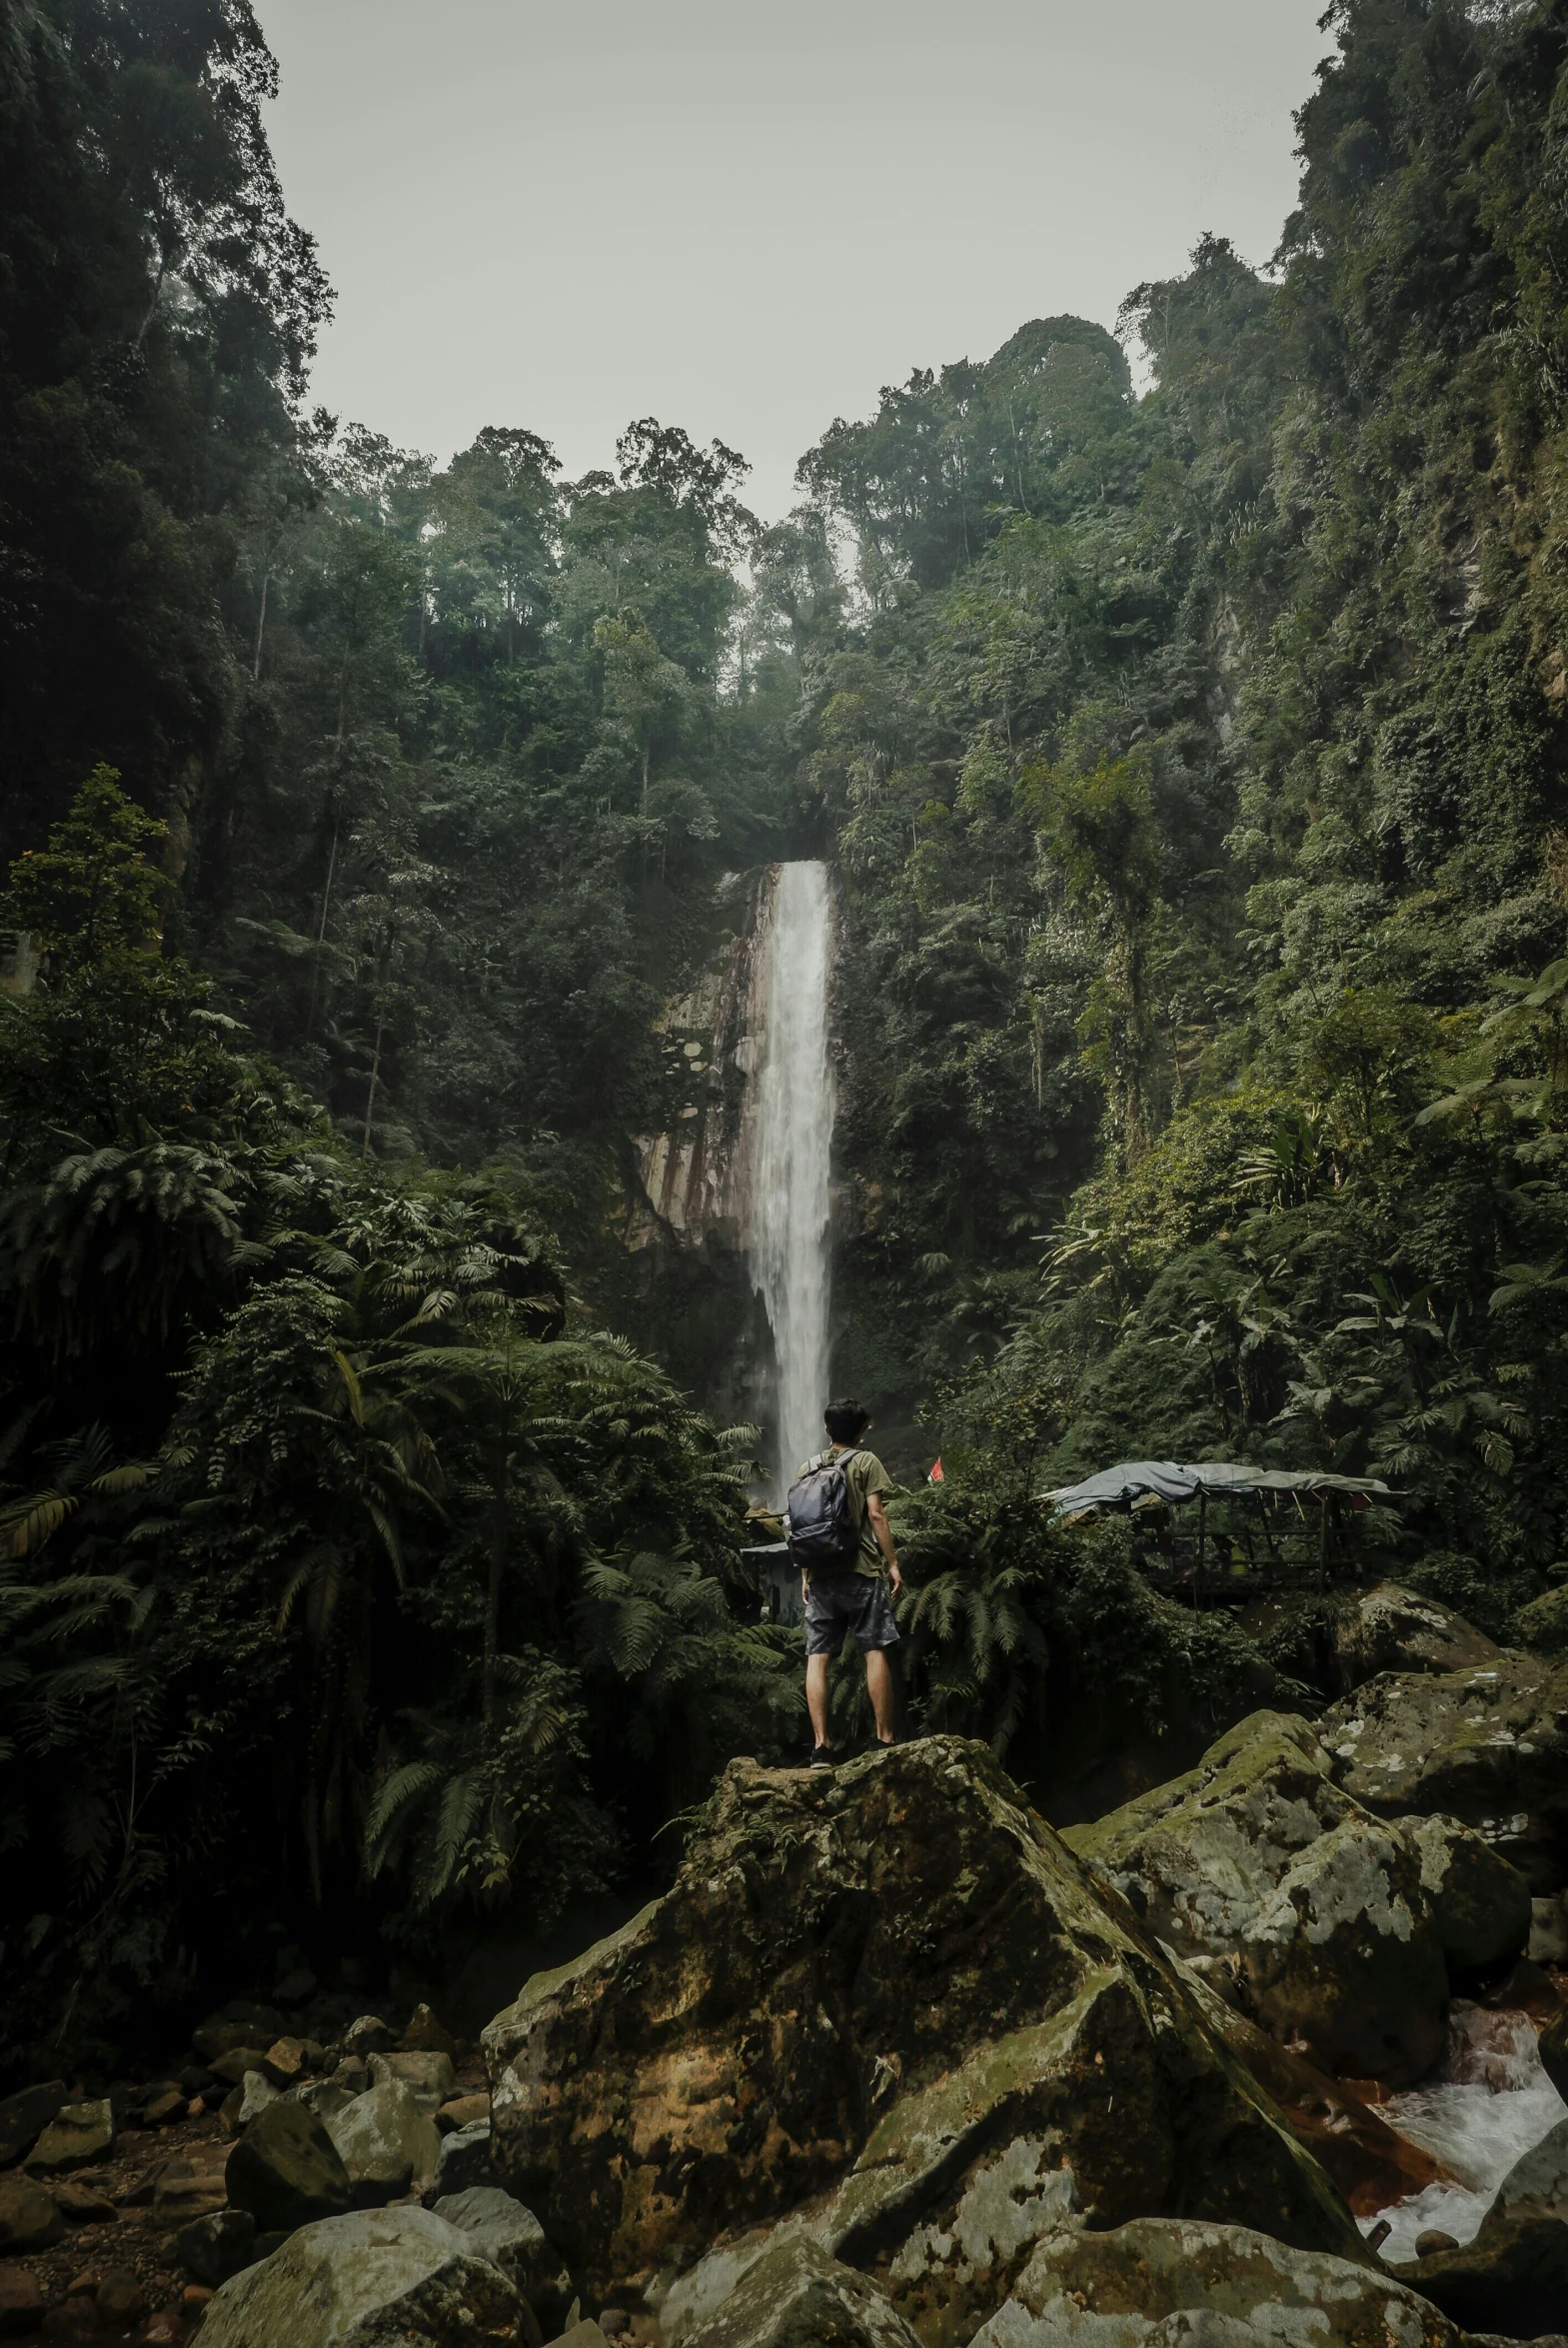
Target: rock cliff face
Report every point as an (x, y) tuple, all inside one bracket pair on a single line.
[(695, 1177), (686, 1285), (889, 2006)]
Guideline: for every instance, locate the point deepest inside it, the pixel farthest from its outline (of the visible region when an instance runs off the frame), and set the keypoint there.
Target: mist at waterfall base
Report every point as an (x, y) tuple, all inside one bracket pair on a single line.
[(792, 1148)]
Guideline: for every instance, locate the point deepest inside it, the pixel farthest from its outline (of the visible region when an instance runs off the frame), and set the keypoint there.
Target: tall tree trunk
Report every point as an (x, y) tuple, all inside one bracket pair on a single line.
[(374, 1078), (495, 1576), (321, 931), (261, 624)]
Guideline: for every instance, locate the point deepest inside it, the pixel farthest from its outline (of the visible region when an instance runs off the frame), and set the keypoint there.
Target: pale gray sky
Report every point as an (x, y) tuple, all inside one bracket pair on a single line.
[(744, 219)]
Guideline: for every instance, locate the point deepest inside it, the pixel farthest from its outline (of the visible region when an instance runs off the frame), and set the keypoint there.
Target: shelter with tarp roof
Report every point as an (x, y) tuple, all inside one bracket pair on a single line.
[(1139, 1486)]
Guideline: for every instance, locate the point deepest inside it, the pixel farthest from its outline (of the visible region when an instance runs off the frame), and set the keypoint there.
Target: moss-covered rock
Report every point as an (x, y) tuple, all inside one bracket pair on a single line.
[(384, 2142), (1542, 1626), (368, 2280), (1488, 1747), (286, 2171), (889, 1998), (1163, 2282), (1480, 1901), (795, 2296), (1391, 1628), (1342, 1923)]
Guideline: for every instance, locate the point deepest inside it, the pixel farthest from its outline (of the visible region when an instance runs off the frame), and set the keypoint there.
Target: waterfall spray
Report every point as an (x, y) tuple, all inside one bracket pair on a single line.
[(794, 1114)]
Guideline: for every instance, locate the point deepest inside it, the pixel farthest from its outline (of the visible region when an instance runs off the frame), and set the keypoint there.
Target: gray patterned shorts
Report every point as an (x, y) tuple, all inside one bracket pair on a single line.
[(837, 1603)]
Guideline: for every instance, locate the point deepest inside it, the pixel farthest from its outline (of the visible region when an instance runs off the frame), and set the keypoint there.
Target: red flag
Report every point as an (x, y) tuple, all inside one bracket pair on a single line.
[(937, 1476)]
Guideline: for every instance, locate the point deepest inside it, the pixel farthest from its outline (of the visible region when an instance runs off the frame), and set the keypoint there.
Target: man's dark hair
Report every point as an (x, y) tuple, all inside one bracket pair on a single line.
[(847, 1419)]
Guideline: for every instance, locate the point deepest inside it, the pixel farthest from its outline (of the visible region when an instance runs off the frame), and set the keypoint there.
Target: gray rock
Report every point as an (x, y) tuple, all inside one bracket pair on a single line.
[(213, 2248), (324, 2098), (368, 2035), (24, 2117), (795, 2296), (502, 2229), (1548, 1932), (1331, 1912), (1481, 1903), (1161, 2281), (1512, 2278), (1488, 1746), (286, 2171), (1391, 1628), (29, 2217), (78, 2137), (1540, 2177), (255, 2092), (463, 2160), (386, 2143), (365, 2281), (428, 2075)]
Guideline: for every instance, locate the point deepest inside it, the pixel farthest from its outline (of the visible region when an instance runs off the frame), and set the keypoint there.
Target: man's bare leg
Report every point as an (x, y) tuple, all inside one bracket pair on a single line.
[(816, 1695), (878, 1687)]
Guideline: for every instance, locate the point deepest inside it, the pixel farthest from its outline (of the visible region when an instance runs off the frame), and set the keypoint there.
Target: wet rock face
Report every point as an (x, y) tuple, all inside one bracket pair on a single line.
[(893, 1995), (1488, 1746), (1347, 1927), (1162, 2283)]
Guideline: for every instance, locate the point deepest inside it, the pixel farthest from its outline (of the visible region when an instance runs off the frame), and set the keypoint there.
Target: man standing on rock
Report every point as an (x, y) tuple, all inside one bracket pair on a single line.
[(840, 1538)]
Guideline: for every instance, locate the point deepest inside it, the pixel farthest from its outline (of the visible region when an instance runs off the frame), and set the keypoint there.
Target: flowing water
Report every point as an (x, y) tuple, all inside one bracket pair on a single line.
[(1489, 2105), (794, 1123)]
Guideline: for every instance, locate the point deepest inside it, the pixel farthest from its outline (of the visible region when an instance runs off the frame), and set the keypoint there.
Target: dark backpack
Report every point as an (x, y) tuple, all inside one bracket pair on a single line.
[(823, 1532)]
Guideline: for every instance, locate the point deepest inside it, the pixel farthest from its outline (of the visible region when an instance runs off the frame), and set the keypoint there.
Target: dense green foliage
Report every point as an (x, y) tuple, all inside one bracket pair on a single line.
[(1193, 767)]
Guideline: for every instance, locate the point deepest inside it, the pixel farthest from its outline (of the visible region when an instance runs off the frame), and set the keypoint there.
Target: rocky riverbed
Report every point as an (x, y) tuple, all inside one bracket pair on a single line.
[(1273, 2053)]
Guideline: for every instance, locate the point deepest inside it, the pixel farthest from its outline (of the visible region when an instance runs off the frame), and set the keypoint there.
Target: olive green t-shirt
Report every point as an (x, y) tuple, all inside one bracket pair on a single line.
[(864, 1474)]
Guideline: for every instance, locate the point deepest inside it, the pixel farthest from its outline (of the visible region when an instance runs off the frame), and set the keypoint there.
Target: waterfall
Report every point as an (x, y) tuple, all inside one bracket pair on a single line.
[(793, 1136)]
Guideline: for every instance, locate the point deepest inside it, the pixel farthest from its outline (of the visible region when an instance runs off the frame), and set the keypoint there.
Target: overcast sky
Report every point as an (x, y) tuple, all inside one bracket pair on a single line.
[(744, 219)]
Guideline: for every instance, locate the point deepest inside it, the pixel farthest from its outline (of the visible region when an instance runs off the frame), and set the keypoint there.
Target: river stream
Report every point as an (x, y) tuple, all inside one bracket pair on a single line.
[(1489, 2105)]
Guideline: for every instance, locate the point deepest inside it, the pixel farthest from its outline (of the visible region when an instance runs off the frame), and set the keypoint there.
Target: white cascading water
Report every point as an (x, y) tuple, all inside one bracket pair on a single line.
[(1490, 2104), (794, 1139)]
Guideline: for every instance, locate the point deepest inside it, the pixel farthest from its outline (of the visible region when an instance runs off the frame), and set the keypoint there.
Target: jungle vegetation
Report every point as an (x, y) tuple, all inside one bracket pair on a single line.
[(1192, 761)]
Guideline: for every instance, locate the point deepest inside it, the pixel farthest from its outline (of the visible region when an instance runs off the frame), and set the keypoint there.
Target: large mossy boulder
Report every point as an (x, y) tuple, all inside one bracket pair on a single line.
[(887, 1999), (1488, 1746), (368, 2280), (1164, 2282), (1346, 1926)]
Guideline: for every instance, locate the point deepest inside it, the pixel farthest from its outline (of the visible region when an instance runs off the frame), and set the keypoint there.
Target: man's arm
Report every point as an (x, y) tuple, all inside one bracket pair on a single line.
[(884, 1532)]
